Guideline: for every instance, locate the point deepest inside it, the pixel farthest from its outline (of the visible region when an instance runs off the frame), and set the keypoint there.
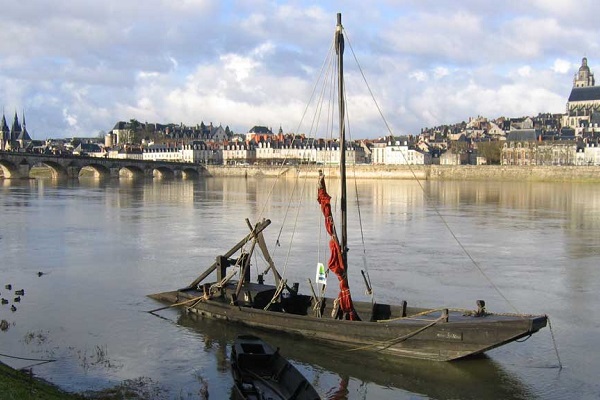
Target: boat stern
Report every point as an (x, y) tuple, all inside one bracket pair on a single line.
[(537, 322)]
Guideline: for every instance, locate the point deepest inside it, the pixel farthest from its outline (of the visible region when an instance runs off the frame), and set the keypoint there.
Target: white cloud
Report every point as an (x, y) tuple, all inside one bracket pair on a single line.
[(440, 72), (78, 68), (241, 67), (419, 76), (70, 118), (524, 71), (561, 66)]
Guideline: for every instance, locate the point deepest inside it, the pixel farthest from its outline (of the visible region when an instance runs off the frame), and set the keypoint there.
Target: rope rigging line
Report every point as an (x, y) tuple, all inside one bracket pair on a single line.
[(280, 287), (384, 344), (427, 198), (314, 91), (369, 290), (318, 96), (27, 359), (554, 342), (293, 234)]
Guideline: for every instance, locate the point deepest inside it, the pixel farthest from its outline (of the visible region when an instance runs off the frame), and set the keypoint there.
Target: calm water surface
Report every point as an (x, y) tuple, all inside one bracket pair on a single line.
[(103, 246)]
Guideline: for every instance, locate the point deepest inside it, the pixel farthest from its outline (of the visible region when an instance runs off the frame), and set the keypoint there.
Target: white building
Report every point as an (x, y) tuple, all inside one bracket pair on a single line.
[(126, 154), (397, 154), (200, 153), (161, 152), (584, 101), (195, 152), (239, 153), (303, 153), (589, 155)]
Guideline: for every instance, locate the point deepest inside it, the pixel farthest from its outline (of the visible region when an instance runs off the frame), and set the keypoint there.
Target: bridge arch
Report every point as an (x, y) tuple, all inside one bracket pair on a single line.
[(98, 170), (18, 165), (9, 170), (163, 173), (57, 170), (131, 172), (190, 173)]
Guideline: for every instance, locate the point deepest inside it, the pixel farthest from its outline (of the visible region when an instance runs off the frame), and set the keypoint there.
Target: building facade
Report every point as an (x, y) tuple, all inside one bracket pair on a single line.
[(16, 137), (583, 106), (397, 154)]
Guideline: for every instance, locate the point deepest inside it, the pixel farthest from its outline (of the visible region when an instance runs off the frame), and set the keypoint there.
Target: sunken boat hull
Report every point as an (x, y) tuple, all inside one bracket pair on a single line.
[(440, 335), (260, 372)]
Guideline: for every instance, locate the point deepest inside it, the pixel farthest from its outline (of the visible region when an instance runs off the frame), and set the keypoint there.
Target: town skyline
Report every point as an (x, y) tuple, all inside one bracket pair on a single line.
[(80, 68)]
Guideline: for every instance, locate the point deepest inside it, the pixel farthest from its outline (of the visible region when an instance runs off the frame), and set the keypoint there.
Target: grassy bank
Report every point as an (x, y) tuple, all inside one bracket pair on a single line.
[(17, 385)]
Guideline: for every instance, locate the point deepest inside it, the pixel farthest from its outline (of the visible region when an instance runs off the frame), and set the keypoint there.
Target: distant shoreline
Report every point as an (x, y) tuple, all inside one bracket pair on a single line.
[(423, 172), (509, 173)]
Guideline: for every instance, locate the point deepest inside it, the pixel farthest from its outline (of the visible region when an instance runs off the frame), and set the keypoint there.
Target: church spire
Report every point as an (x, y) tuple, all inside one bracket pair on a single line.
[(4, 134), (584, 77), (24, 136), (15, 131)]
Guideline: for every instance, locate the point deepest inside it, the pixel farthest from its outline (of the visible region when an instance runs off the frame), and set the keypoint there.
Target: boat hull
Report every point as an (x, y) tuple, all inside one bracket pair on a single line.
[(429, 335), (260, 372)]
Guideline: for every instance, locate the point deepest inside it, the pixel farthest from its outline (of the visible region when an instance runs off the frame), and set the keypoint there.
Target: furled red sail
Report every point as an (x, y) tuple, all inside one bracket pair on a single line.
[(336, 261)]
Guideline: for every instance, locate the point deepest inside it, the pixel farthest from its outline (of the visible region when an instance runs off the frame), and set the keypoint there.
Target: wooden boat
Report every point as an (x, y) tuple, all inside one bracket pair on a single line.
[(441, 334), (260, 372)]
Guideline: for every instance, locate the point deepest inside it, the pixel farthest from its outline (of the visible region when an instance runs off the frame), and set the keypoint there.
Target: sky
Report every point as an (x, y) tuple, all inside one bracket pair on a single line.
[(76, 68)]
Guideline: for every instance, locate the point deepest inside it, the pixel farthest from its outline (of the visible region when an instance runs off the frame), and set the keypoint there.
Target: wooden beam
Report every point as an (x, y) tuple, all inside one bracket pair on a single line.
[(263, 248), (259, 228)]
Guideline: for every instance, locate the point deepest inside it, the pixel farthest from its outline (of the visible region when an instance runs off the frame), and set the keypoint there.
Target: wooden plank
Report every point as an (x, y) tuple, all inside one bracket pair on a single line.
[(263, 248), (259, 228)]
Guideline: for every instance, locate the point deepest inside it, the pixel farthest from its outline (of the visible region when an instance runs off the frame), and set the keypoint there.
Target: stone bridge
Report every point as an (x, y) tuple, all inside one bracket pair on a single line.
[(17, 165)]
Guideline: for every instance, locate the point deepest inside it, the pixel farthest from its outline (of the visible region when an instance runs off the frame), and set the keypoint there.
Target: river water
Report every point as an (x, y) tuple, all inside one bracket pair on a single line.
[(102, 246)]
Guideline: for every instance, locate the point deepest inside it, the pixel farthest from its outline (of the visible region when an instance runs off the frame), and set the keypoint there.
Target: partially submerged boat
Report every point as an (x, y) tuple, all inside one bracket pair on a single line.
[(441, 334), (261, 372)]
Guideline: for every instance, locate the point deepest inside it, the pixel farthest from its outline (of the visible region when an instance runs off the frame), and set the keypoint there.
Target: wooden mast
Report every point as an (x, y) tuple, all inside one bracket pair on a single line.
[(339, 48)]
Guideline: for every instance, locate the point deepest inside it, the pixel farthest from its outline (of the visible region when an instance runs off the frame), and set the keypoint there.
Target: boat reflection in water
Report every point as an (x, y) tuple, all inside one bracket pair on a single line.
[(441, 333), (339, 374)]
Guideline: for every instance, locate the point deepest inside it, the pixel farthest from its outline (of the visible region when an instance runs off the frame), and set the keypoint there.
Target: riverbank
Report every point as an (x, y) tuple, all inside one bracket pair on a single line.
[(19, 385), (423, 172), (508, 173)]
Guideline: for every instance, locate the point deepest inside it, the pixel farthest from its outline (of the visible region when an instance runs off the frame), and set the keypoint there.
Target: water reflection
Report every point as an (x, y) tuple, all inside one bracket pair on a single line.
[(341, 374), (105, 244), (571, 207)]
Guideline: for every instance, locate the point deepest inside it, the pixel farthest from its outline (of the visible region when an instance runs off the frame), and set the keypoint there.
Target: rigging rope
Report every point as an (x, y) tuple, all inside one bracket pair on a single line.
[(315, 94), (384, 344), (27, 359), (282, 285), (554, 342), (369, 290), (428, 199)]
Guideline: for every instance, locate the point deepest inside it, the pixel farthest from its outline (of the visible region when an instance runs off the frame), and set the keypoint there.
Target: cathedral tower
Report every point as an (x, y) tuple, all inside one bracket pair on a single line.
[(584, 77)]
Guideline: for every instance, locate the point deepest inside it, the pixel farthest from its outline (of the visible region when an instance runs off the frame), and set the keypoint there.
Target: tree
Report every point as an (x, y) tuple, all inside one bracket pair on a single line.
[(458, 147), (492, 151), (133, 134)]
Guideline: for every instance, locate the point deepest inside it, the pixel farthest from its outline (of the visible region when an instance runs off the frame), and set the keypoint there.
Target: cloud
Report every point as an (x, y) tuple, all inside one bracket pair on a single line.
[(561, 66), (76, 69), (440, 72), (69, 118), (419, 76)]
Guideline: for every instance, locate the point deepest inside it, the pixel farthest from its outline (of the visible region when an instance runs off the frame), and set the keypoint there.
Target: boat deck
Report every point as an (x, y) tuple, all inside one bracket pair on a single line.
[(258, 296)]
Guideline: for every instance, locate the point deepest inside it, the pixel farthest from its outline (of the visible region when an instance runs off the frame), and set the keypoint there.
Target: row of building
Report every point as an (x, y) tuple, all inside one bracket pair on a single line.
[(517, 152), (548, 139)]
